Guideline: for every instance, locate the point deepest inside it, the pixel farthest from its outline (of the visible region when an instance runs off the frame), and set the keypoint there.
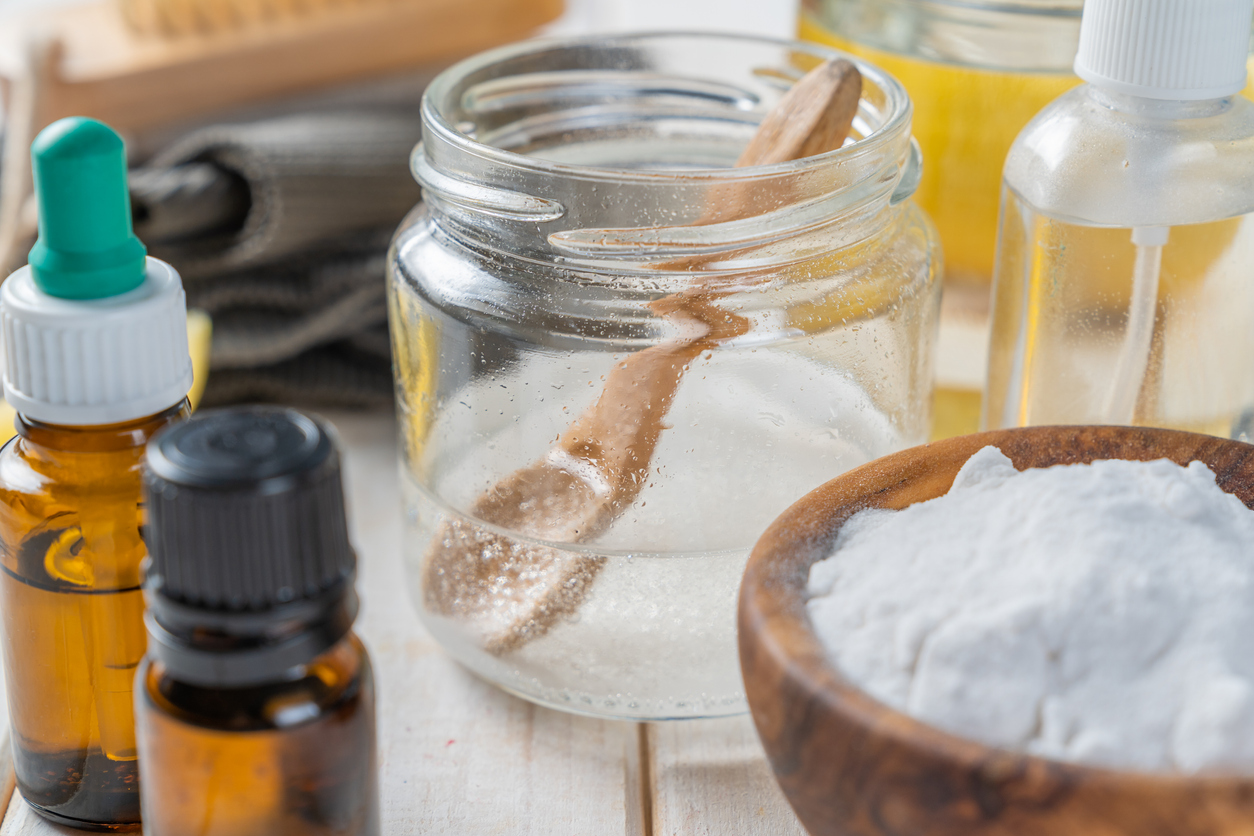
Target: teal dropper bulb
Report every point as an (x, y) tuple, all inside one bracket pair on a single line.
[(87, 248)]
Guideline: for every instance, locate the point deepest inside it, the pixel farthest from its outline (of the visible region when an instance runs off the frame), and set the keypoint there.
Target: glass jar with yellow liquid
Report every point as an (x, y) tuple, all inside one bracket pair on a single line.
[(976, 72)]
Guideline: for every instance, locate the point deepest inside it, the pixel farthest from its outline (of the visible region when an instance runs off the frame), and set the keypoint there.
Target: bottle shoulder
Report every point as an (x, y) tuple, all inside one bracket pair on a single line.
[(337, 682), (71, 502), (93, 459), (1106, 160)]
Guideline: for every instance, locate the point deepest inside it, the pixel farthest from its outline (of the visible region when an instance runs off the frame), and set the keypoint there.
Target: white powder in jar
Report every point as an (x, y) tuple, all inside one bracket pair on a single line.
[(1097, 613)]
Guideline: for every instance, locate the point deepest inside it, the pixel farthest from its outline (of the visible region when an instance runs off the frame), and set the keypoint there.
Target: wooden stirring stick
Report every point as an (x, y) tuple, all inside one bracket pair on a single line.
[(510, 589), (812, 118)]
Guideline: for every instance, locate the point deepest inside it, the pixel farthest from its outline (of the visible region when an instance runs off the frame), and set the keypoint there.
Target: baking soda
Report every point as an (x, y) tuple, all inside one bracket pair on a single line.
[(1098, 613)]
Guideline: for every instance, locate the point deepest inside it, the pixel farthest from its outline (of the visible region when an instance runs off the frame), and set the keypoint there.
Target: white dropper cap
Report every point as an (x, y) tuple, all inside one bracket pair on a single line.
[(88, 362), (94, 332), (1165, 49)]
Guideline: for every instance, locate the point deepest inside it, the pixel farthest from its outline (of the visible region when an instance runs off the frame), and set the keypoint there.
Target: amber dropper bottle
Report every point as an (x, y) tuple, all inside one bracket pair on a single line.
[(95, 364), (255, 706)]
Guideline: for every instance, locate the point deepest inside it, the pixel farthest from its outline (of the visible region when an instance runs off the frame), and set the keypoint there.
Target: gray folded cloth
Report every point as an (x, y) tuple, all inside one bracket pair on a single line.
[(264, 316), (350, 375), (280, 229), (310, 179)]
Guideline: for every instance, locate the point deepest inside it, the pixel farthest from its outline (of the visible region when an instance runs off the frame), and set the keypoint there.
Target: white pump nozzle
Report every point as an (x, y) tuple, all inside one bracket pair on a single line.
[(1165, 49)]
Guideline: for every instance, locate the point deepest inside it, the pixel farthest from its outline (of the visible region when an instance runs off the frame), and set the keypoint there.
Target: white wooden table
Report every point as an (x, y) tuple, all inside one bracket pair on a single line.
[(457, 756)]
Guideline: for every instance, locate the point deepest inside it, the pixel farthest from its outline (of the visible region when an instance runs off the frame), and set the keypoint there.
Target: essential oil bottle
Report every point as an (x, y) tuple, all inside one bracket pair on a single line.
[(255, 706), (96, 362)]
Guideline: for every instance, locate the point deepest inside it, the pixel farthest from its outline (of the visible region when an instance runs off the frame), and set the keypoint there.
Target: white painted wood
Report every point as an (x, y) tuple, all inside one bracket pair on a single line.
[(7, 793), (711, 778), (20, 820)]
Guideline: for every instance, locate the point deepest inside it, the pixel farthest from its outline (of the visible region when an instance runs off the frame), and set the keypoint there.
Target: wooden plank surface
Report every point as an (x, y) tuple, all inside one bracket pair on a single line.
[(711, 778), (459, 756), (20, 820)]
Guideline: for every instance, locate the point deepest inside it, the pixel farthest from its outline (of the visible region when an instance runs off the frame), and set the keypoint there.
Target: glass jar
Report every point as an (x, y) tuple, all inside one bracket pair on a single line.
[(618, 359), (977, 72)]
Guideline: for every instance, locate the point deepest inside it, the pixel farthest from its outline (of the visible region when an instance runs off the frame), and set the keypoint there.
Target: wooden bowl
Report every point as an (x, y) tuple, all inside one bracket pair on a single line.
[(851, 765)]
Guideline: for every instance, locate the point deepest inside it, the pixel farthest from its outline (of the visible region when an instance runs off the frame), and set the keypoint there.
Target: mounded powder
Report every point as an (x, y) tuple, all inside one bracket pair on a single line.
[(1098, 613)]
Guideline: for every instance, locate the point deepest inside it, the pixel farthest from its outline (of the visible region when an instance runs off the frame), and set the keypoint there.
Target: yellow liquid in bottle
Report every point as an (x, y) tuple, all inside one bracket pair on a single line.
[(72, 610), (293, 757), (965, 120)]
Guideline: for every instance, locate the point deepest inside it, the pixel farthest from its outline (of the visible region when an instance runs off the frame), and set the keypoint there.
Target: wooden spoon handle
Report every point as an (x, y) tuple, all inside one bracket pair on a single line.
[(812, 118)]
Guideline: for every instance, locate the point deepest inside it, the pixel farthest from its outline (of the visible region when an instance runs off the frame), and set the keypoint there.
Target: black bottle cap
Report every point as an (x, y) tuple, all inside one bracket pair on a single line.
[(245, 510), (250, 568)]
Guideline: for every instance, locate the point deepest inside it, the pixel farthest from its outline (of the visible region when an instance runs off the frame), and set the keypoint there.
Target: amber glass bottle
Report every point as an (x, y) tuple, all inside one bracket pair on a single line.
[(95, 363), (73, 613), (255, 707)]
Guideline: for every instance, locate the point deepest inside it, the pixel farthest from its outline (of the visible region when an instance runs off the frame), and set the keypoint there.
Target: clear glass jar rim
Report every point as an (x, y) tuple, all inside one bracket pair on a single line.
[(897, 120)]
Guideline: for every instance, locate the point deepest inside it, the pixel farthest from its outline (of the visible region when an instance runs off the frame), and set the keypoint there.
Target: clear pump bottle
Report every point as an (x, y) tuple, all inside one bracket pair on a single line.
[(96, 363), (1124, 280)]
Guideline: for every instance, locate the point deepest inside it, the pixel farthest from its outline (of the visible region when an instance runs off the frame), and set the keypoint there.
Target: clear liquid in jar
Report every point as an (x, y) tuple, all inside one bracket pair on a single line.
[(649, 628)]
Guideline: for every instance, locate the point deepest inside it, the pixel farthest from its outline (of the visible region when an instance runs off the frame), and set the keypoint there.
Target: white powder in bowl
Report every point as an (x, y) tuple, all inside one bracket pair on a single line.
[(1099, 613)]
